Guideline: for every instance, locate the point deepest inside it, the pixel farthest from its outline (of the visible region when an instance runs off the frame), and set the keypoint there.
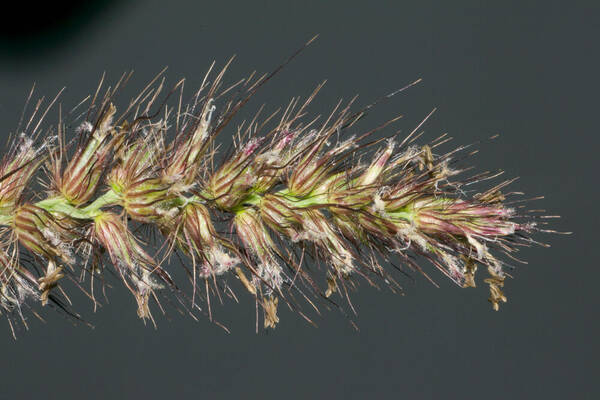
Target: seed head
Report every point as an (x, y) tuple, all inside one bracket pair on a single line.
[(16, 169), (136, 180), (81, 177), (185, 162), (138, 270), (44, 233), (297, 209), (257, 240), (232, 182), (197, 236)]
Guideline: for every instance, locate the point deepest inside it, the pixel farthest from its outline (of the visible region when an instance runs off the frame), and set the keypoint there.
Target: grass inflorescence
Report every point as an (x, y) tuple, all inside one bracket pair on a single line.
[(297, 210)]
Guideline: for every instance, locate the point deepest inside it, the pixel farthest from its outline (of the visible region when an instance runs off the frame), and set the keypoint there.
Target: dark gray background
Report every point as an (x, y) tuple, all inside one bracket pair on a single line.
[(526, 70)]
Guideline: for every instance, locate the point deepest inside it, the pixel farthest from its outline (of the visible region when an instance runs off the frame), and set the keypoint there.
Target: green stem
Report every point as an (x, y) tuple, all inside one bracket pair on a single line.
[(309, 201), (406, 213), (107, 199), (61, 205)]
